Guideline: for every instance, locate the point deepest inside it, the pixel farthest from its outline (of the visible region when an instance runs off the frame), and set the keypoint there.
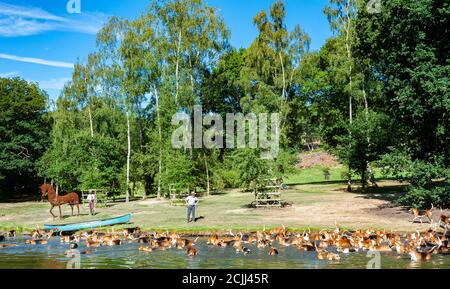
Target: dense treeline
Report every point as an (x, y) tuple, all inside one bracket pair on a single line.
[(24, 129), (376, 94)]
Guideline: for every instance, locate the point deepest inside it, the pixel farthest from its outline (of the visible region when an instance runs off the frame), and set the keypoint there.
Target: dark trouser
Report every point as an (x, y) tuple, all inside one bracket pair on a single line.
[(191, 211), (92, 207)]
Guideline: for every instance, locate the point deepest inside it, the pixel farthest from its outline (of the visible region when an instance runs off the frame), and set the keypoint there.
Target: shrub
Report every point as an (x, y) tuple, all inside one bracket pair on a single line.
[(419, 173), (425, 188), (326, 173), (229, 178), (422, 198)]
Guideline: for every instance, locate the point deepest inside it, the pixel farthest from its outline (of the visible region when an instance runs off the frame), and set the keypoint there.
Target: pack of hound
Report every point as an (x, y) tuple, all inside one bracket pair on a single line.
[(327, 244)]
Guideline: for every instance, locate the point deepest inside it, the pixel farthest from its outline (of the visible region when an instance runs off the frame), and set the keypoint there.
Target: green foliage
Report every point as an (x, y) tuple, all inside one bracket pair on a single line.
[(221, 89), (326, 173), (24, 134), (283, 164), (222, 170), (91, 163), (323, 80), (408, 48), (422, 174), (271, 67), (421, 198), (100, 162), (252, 169), (368, 139), (418, 173), (396, 164), (227, 177), (427, 179), (79, 158), (178, 170)]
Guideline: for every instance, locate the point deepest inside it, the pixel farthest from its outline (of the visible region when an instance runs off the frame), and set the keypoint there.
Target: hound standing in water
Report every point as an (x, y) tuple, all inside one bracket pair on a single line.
[(273, 252), (191, 251)]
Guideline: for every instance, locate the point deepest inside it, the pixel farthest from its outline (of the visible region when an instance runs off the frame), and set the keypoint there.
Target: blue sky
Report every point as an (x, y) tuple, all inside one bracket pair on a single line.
[(40, 40)]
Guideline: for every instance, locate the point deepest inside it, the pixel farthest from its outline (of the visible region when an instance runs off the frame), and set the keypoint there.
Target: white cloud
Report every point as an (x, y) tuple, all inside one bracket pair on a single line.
[(16, 26), (24, 20), (29, 12), (36, 60), (9, 74)]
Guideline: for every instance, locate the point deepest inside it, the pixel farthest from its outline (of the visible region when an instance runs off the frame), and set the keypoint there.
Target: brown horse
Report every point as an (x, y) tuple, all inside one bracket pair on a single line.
[(55, 200)]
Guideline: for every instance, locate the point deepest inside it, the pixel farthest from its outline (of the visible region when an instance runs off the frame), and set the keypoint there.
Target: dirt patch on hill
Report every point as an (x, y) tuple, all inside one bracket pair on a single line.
[(315, 159)]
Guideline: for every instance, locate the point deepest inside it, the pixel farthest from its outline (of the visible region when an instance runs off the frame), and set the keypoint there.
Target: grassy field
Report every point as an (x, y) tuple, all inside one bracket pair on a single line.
[(315, 204)]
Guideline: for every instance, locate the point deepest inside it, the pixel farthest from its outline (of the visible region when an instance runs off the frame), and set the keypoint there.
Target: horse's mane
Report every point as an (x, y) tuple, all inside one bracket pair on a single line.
[(48, 188)]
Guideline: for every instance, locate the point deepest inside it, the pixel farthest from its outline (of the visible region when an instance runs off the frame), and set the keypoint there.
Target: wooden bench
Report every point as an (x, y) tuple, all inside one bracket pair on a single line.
[(270, 197)]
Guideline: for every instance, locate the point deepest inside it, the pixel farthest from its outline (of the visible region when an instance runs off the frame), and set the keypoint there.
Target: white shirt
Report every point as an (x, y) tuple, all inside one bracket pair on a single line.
[(192, 200), (90, 198)]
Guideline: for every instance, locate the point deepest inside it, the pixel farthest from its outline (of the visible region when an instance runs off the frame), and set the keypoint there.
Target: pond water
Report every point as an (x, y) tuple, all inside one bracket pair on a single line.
[(128, 256)]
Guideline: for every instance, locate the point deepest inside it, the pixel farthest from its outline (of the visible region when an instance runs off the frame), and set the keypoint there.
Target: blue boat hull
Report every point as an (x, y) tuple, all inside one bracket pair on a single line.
[(89, 225)]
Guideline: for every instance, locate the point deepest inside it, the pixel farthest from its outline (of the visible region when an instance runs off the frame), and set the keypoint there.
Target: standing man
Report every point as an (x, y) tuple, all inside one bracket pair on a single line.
[(191, 202), (92, 200)]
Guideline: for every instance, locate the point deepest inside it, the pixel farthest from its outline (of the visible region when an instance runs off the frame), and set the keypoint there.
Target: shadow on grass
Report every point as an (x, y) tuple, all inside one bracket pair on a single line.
[(68, 216), (199, 218), (317, 183), (390, 193), (19, 198), (334, 182), (221, 193), (252, 205), (81, 215), (386, 193)]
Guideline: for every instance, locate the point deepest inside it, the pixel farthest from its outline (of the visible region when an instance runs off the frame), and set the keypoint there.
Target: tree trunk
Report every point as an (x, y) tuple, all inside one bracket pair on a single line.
[(139, 123), (159, 170), (177, 67), (366, 106), (90, 121), (366, 103), (349, 56), (208, 187), (284, 77), (371, 174), (363, 180), (144, 197), (350, 101), (160, 143), (128, 155), (349, 183), (191, 151)]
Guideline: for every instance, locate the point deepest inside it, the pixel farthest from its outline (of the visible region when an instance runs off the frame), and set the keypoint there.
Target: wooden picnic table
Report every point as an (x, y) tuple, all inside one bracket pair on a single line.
[(269, 197)]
